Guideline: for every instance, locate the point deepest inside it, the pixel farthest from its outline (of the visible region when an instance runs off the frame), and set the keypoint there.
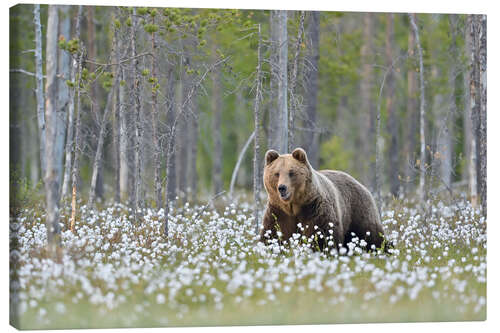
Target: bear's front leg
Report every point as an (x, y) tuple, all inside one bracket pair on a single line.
[(268, 230), (276, 224), (326, 230)]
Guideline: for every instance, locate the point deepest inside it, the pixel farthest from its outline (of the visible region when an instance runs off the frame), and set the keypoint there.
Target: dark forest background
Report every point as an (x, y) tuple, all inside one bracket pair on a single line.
[(156, 104)]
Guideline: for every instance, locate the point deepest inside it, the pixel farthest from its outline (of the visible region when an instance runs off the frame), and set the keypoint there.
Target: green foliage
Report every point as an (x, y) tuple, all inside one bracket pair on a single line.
[(151, 28), (142, 11), (334, 156)]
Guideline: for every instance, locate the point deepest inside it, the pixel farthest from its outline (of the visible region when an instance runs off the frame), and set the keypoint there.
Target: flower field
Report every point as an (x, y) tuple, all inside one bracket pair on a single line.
[(116, 272)]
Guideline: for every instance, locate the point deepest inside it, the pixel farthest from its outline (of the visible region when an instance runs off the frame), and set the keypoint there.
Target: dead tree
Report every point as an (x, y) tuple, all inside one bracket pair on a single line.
[(71, 113), (293, 83), (256, 163), (63, 97), (137, 119), (76, 143), (367, 106), (411, 116), (283, 80), (217, 107), (40, 100), (273, 124), (482, 122), (312, 138), (393, 168), (422, 162), (50, 177), (475, 105), (117, 116), (102, 132), (238, 162), (155, 122), (100, 142), (170, 137)]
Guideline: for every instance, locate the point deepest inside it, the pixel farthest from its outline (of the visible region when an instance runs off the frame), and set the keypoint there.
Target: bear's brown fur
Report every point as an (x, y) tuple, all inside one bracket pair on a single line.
[(325, 202)]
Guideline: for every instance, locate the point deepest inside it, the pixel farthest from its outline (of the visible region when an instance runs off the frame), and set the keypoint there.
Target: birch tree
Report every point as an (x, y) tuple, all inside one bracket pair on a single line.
[(475, 101), (256, 153), (216, 127), (293, 83), (137, 119), (273, 125), (411, 115), (312, 136), (51, 177), (393, 169), (283, 80), (71, 111), (367, 105), (155, 119), (422, 163), (483, 101), (40, 100), (63, 97)]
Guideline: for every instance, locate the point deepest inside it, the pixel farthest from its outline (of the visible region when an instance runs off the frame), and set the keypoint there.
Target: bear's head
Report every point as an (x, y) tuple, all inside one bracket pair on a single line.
[(287, 177)]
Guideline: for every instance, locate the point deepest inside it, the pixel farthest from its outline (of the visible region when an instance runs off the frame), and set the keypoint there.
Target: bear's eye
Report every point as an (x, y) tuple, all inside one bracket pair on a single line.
[(277, 174), (291, 174)]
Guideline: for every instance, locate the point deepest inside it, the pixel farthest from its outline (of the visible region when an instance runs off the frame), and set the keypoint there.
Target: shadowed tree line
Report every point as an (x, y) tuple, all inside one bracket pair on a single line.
[(155, 107)]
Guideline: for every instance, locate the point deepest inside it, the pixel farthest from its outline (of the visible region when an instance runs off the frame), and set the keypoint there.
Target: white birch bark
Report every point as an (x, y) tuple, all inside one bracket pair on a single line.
[(50, 177), (422, 165), (71, 111), (256, 153), (283, 80), (63, 73), (293, 84), (40, 100)]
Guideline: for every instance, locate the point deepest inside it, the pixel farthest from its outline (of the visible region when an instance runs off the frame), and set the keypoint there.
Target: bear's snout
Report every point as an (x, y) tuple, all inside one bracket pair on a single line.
[(283, 191)]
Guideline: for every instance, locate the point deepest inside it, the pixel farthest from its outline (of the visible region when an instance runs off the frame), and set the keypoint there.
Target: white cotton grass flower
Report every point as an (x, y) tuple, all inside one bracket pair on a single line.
[(215, 259)]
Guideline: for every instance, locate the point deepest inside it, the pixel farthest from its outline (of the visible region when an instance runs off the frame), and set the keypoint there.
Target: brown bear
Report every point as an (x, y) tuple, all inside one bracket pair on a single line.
[(321, 205)]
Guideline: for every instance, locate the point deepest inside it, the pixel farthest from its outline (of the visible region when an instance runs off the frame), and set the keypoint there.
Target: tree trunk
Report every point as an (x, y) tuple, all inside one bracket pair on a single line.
[(391, 110), (411, 117), (40, 100), (273, 138), (117, 116), (312, 136), (63, 73), (238, 162), (283, 80), (475, 107), (124, 141), (94, 91), (170, 150), (422, 163), (482, 124), (445, 138), (367, 105), (71, 112), (124, 131), (293, 83), (216, 128), (469, 171), (76, 144), (50, 177), (155, 123), (193, 174), (100, 143), (138, 197), (256, 161)]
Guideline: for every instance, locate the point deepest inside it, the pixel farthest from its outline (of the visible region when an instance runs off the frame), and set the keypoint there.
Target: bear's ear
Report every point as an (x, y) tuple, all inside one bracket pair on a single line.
[(300, 155), (271, 155)]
